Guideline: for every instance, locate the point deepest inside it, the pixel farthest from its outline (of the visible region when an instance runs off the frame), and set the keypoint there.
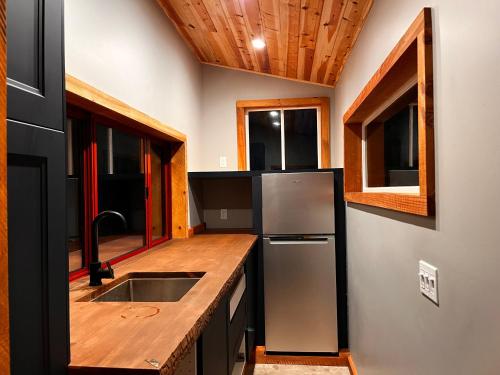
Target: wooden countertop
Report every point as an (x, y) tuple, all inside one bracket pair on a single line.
[(123, 335)]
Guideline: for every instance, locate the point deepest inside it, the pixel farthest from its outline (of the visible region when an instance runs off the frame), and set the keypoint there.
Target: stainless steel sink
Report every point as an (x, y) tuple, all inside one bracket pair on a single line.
[(165, 287)]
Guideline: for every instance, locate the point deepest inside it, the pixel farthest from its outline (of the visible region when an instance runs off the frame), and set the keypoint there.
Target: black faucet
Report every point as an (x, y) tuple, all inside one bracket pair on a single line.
[(96, 272)]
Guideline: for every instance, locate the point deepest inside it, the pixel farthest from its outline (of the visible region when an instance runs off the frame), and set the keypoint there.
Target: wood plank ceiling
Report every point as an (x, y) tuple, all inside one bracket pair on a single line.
[(308, 40)]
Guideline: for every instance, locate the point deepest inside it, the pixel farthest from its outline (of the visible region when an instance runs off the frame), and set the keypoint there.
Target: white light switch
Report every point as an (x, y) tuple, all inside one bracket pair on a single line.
[(223, 213), (223, 162), (428, 280)]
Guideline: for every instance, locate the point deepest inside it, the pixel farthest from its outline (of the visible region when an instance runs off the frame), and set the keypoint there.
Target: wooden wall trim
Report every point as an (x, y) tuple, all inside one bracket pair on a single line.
[(83, 95), (197, 229), (411, 55), (179, 186), (404, 43), (243, 105), (4, 264), (352, 366), (241, 138)]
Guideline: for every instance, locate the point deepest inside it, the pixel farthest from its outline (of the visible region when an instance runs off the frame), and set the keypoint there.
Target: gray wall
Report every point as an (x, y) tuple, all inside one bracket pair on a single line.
[(209, 196), (221, 89), (393, 329), (130, 50)]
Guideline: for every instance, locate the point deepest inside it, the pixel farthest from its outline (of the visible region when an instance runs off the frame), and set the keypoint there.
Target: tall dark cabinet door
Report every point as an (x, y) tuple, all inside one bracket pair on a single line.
[(38, 267), (35, 59), (38, 276)]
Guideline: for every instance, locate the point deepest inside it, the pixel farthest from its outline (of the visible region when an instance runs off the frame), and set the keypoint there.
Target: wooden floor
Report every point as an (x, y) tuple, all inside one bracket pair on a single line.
[(267, 369), (262, 358)]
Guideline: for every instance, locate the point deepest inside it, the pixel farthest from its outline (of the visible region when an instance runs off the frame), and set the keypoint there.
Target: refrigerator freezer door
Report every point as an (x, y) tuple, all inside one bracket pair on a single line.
[(298, 203), (300, 295)]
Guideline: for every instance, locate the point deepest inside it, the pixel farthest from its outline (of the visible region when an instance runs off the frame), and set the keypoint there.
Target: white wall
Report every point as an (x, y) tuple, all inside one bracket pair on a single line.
[(393, 329), (221, 89), (130, 50)]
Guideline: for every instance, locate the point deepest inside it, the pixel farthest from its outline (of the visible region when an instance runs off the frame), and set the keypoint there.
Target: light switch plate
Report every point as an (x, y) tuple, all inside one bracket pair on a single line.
[(223, 162), (223, 213), (428, 280)]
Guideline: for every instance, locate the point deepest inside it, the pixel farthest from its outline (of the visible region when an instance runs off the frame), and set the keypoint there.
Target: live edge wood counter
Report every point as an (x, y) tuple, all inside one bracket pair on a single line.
[(118, 337)]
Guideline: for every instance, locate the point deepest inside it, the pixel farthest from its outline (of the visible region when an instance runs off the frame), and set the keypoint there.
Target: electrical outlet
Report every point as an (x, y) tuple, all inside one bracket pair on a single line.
[(428, 280), (223, 162), (223, 213)]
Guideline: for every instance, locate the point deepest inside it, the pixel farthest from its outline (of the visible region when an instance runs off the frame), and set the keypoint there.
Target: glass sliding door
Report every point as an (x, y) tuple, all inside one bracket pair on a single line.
[(121, 187), (157, 192), (111, 167), (74, 194)]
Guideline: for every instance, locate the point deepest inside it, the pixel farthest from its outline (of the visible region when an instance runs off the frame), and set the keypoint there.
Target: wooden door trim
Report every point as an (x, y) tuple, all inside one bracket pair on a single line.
[(243, 105), (4, 264)]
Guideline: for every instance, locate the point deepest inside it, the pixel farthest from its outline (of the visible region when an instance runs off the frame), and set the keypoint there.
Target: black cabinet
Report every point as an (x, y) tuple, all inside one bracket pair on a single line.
[(251, 268), (38, 276), (236, 332), (212, 345), (219, 345), (35, 63)]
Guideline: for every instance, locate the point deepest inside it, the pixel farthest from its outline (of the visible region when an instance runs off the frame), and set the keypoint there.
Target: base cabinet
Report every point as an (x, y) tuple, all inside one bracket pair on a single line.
[(212, 345), (223, 346)]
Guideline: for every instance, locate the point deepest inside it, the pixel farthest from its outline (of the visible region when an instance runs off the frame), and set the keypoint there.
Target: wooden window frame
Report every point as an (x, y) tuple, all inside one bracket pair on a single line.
[(167, 203), (95, 106), (243, 106), (395, 71)]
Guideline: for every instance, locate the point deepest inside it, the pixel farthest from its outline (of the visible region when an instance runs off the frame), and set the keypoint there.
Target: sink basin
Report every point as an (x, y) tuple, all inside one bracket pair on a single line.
[(153, 287)]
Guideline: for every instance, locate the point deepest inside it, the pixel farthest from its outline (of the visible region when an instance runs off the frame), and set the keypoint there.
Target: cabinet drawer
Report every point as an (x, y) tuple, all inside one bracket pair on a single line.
[(236, 296), (236, 330)]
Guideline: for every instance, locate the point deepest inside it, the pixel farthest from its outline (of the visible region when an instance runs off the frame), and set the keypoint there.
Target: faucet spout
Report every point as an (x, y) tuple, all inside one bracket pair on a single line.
[(96, 272)]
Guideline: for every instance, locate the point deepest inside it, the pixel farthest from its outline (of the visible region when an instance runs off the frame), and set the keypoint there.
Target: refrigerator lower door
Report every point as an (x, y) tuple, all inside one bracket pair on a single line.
[(300, 294)]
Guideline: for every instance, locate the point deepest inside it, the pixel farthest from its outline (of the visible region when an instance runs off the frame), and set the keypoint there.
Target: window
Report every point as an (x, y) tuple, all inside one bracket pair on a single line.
[(390, 151), (74, 193), (302, 128), (389, 132), (279, 134), (264, 134), (283, 139), (111, 167), (121, 185), (159, 182)]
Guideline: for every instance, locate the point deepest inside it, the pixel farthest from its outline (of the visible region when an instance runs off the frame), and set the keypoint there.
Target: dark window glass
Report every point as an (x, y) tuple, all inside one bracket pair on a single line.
[(121, 187), (158, 229), (392, 149), (74, 193), (264, 133), (301, 139)]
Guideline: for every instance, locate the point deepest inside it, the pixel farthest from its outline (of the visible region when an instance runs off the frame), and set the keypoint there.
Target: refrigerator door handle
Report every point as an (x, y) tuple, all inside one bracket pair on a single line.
[(298, 240)]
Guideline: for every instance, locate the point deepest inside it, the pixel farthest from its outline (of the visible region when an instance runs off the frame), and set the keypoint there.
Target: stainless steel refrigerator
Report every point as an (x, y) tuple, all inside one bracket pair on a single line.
[(300, 293)]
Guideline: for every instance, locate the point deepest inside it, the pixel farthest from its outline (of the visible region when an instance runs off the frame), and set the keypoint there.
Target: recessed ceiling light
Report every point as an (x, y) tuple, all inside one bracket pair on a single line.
[(258, 43), (274, 113), (276, 123)]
